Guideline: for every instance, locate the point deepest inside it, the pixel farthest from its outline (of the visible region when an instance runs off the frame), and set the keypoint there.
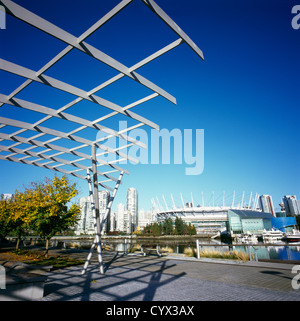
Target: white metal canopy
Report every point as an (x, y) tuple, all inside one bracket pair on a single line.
[(66, 151)]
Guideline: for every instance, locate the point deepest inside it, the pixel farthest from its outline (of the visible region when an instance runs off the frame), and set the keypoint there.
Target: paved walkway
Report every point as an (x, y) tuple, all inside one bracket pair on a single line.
[(150, 278)]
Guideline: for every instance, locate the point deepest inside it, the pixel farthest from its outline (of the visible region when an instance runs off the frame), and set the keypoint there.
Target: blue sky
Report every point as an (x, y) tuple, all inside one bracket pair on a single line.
[(245, 95)]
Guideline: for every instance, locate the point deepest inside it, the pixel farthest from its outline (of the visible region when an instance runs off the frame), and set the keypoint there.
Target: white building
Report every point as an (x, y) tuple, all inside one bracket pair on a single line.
[(113, 221), (145, 217), (291, 205), (132, 207), (6, 196), (123, 219), (127, 222), (104, 198), (85, 224), (266, 204), (120, 214)]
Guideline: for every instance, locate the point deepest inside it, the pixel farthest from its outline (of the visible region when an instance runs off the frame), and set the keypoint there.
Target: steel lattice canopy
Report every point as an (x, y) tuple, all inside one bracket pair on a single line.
[(64, 147)]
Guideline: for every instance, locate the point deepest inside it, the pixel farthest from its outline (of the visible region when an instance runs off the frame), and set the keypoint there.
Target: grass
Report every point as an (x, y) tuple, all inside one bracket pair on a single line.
[(132, 249), (190, 252), (229, 255), (58, 262), (38, 258), (167, 249)]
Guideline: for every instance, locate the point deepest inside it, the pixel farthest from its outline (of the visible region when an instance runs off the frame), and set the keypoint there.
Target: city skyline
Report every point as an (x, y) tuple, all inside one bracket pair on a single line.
[(213, 216), (125, 219), (243, 95)]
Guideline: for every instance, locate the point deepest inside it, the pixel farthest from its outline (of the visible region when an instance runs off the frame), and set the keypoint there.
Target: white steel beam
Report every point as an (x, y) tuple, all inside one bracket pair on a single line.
[(111, 200), (91, 194), (44, 25), (62, 115), (55, 159), (104, 19), (16, 160), (57, 133), (37, 143), (174, 206), (165, 202), (97, 212), (55, 83), (143, 62), (161, 14), (61, 149)]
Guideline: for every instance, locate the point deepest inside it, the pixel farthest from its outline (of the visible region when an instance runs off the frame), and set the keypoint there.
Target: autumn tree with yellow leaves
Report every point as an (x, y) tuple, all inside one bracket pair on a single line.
[(12, 219), (42, 208)]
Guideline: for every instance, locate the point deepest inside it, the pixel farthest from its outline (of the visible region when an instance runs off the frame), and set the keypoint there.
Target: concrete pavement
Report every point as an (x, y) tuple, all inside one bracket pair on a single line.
[(150, 278)]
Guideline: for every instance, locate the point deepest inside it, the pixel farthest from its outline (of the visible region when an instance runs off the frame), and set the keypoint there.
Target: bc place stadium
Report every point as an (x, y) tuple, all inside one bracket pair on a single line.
[(246, 215)]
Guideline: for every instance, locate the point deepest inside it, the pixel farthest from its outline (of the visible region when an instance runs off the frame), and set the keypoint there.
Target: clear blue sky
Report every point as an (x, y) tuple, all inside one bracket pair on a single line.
[(245, 95)]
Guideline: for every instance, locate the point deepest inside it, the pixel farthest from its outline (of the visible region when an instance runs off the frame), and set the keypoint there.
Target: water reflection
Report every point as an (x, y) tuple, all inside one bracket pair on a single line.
[(272, 252)]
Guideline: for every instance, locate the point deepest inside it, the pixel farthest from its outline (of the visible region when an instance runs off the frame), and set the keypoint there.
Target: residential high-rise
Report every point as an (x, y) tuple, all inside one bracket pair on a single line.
[(127, 222), (113, 222), (85, 224), (266, 204), (120, 215), (104, 197), (291, 205), (132, 207), (145, 218)]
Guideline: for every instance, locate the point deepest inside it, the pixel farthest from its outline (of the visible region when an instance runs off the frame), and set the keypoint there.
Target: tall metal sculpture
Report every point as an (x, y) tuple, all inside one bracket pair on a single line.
[(72, 161)]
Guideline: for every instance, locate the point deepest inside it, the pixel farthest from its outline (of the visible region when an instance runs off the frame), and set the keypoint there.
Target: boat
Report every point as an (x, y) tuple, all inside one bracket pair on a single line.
[(292, 237), (272, 235), (247, 238)]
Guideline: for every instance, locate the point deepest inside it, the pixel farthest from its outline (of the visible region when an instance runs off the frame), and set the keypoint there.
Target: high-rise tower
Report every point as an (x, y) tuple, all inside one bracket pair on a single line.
[(291, 205), (132, 206), (266, 204)]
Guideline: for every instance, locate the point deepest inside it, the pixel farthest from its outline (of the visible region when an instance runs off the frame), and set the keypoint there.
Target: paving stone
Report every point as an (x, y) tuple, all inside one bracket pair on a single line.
[(137, 278)]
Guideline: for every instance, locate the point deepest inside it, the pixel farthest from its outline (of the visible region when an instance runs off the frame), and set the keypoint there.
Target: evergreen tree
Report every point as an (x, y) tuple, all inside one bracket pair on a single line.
[(168, 226), (179, 226), (156, 229)]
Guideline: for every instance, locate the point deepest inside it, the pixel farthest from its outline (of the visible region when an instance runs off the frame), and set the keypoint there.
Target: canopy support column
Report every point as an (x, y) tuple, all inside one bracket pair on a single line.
[(95, 208)]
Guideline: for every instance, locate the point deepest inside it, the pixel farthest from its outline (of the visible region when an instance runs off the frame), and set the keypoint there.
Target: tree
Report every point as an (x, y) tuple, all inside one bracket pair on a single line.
[(12, 219), (168, 226), (5, 219), (43, 207), (190, 229), (147, 229), (179, 226), (156, 229)]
